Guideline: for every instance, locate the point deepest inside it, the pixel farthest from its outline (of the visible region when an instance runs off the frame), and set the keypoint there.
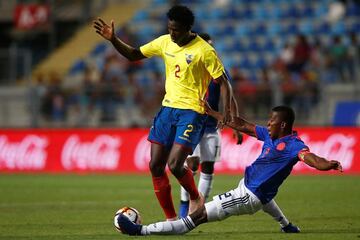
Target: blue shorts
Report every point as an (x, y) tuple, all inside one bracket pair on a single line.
[(182, 126)]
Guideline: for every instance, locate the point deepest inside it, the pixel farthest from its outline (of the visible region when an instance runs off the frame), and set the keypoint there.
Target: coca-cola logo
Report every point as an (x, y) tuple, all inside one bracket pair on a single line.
[(27, 154), (337, 146), (235, 157), (102, 153)]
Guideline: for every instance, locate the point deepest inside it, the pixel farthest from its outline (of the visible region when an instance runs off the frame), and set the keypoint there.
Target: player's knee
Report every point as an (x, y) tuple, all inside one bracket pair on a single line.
[(176, 169), (193, 163), (207, 167), (156, 169)]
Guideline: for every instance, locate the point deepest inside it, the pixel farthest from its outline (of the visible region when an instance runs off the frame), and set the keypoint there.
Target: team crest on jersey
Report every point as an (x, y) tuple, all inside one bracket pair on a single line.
[(281, 146), (189, 58)]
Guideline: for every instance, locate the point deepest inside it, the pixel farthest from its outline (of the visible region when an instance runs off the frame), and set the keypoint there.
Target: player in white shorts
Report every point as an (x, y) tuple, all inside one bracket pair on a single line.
[(207, 152), (282, 149)]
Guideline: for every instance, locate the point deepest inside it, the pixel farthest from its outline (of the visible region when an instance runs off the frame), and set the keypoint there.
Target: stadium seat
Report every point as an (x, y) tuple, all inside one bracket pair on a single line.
[(307, 12), (306, 27), (213, 28), (292, 29), (260, 63), (78, 67), (260, 13), (290, 12), (320, 10), (245, 63), (355, 27), (323, 28), (242, 30), (141, 15), (254, 46), (274, 29), (228, 61), (353, 9), (100, 48), (240, 46), (338, 28), (259, 29), (228, 30), (246, 13), (269, 45)]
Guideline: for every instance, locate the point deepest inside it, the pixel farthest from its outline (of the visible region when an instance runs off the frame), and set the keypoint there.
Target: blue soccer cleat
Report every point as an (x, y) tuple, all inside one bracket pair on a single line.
[(183, 209), (290, 228), (127, 226)]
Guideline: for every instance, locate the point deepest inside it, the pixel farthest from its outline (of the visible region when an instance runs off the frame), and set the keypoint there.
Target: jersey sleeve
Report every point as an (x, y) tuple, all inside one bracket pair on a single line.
[(301, 150), (213, 64), (302, 153), (261, 133), (153, 48)]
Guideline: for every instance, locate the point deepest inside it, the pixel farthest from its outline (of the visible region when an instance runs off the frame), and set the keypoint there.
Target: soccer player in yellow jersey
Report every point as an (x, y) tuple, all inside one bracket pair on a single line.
[(190, 64)]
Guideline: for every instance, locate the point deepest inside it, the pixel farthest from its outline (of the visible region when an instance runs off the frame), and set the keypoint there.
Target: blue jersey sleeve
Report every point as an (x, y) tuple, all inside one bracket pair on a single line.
[(300, 146), (261, 133)]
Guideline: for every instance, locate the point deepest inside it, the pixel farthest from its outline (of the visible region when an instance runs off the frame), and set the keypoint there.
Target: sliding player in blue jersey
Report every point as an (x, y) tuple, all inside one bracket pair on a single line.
[(281, 150)]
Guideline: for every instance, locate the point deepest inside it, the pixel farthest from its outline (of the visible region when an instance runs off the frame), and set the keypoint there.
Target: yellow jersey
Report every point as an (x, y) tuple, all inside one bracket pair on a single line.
[(189, 70)]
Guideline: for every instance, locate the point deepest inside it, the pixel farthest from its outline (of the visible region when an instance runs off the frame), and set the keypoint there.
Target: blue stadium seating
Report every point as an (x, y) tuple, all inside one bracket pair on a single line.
[(78, 67), (242, 29)]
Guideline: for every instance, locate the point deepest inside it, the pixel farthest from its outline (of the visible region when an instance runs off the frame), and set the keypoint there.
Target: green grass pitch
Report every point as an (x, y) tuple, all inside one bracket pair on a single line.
[(82, 207)]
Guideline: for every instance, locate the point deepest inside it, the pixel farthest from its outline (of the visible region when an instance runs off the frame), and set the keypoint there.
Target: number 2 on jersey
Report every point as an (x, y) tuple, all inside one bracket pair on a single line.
[(177, 71)]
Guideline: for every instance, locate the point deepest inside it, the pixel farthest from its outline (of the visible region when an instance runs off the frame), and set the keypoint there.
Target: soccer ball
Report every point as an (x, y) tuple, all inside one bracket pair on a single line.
[(130, 213)]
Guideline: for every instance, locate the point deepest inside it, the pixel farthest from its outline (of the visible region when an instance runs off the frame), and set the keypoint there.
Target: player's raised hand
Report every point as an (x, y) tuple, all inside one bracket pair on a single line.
[(103, 29)]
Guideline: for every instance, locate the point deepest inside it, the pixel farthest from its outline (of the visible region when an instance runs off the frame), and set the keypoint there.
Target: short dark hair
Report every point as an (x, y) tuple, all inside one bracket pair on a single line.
[(287, 114), (181, 14), (205, 36)]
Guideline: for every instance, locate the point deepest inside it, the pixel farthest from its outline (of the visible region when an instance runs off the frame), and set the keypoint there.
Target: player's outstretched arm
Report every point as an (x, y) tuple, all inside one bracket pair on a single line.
[(321, 163), (236, 123), (235, 113), (108, 33), (226, 95)]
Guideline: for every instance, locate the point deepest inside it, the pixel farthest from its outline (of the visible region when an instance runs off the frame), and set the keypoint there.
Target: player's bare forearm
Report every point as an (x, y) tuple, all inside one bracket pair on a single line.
[(235, 113), (209, 111), (131, 53), (226, 95), (236, 123), (234, 107), (321, 163), (240, 124)]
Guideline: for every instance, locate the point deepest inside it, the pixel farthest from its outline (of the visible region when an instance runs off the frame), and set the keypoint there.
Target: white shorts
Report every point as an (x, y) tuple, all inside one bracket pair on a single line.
[(238, 201), (208, 149)]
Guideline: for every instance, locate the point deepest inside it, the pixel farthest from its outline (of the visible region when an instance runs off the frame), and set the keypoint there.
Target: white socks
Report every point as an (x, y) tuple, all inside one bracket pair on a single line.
[(273, 209), (204, 187), (205, 184), (177, 227)]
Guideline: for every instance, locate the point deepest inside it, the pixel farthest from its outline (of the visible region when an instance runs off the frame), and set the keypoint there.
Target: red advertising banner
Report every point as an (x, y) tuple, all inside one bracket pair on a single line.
[(29, 16), (128, 151)]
